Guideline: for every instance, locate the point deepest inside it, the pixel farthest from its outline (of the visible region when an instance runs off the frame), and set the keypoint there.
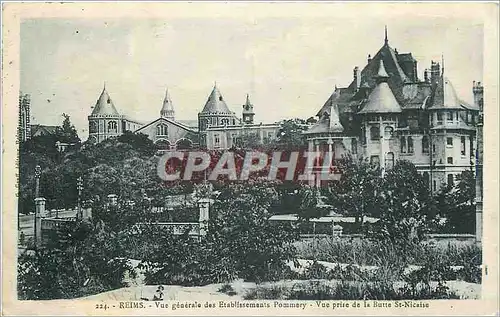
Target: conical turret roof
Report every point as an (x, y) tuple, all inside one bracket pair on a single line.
[(329, 122), (104, 105), (215, 103), (445, 96), (381, 99), (167, 108)]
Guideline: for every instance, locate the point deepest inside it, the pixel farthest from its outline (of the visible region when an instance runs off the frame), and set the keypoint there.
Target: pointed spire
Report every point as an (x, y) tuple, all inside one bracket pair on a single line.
[(386, 40), (167, 110), (335, 125), (248, 100), (442, 64), (382, 73)]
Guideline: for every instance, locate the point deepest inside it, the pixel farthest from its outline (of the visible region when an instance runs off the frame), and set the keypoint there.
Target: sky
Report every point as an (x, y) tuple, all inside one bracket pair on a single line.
[(288, 65)]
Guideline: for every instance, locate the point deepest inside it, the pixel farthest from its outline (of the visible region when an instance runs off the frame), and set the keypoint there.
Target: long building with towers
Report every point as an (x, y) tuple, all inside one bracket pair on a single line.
[(217, 126)]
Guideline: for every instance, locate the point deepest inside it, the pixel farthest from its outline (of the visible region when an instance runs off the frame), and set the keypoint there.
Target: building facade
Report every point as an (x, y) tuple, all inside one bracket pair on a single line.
[(387, 113), (217, 126)]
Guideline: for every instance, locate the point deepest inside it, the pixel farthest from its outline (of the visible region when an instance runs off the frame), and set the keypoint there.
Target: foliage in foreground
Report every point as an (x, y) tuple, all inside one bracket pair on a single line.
[(80, 261), (319, 290)]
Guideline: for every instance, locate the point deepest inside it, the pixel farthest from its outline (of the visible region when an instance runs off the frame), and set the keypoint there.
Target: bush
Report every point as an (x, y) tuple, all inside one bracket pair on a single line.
[(320, 290)]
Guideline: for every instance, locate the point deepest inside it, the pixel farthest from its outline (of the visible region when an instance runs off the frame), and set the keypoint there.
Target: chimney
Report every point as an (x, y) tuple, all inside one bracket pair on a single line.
[(435, 72), (415, 71), (357, 77)]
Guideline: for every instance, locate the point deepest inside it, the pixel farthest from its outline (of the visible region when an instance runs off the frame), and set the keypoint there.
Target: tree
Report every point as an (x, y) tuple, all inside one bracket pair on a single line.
[(357, 193), (66, 133), (406, 212), (290, 135), (456, 204)]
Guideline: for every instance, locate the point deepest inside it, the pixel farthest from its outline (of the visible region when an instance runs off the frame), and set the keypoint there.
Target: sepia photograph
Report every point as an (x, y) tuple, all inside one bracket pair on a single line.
[(244, 161)]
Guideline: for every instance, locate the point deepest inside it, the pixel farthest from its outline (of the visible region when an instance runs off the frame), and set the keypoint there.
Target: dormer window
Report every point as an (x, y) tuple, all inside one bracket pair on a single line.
[(220, 98), (109, 100)]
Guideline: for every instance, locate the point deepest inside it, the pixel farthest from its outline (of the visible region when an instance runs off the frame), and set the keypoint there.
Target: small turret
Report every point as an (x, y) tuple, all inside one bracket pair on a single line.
[(167, 111), (248, 112)]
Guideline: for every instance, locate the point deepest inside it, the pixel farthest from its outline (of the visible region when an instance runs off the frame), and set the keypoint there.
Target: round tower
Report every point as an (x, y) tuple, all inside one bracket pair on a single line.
[(104, 121)]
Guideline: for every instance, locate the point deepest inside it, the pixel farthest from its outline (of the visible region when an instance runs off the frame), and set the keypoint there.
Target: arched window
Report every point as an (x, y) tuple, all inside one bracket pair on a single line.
[(162, 144), (403, 144), (224, 121), (184, 144), (389, 160), (388, 131), (354, 146), (112, 126), (92, 127), (410, 144), (425, 144), (162, 130), (374, 133)]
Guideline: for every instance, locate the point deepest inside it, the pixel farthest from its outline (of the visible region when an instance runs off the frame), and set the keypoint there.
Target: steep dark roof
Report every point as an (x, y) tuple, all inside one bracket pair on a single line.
[(397, 77), (43, 129)]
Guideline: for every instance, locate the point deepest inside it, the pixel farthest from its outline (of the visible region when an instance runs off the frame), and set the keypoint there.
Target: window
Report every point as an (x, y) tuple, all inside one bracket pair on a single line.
[(450, 180), (456, 116), (388, 132), (217, 140), (403, 144), (389, 160), (354, 146), (434, 185), (462, 146), (450, 160), (112, 126), (270, 135), (410, 144), (449, 141), (92, 127), (426, 178), (224, 121), (467, 117), (363, 135), (434, 148), (162, 130), (374, 160), (425, 144), (449, 116), (471, 147), (439, 117), (374, 133)]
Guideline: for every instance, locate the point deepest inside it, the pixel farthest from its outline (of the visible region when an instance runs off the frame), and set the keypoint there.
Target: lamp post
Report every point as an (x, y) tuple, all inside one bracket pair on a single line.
[(79, 186), (38, 173)]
